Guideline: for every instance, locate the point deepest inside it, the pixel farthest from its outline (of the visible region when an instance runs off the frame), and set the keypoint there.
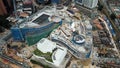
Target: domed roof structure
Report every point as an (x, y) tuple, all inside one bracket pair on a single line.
[(78, 39)]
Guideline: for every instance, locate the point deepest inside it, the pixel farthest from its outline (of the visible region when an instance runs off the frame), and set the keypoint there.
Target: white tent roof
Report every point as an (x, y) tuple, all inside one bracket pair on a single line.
[(59, 56), (46, 45)]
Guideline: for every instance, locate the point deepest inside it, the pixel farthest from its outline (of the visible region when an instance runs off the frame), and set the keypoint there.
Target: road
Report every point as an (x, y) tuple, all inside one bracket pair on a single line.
[(23, 65)]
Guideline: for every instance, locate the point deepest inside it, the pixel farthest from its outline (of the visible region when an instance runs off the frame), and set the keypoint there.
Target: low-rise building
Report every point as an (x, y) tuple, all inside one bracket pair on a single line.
[(49, 53)]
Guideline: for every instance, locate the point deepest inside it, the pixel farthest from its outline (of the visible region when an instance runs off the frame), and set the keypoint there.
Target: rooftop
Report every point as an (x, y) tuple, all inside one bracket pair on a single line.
[(55, 52), (45, 45), (37, 21)]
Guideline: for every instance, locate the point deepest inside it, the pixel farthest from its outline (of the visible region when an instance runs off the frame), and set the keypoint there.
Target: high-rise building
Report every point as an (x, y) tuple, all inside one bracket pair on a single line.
[(88, 3)]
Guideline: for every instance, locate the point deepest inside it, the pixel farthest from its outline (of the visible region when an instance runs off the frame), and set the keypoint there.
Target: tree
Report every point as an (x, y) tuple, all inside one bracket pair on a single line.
[(100, 6), (112, 16)]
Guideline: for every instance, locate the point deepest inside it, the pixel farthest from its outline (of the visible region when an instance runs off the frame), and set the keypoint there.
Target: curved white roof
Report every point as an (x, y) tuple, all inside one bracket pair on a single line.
[(59, 56), (46, 45)]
